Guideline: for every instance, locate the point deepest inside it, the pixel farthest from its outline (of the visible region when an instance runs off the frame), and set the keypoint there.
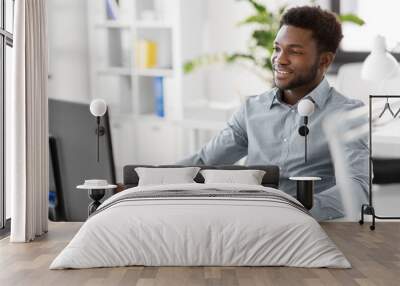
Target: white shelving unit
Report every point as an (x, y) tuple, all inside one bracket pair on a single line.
[(176, 27)]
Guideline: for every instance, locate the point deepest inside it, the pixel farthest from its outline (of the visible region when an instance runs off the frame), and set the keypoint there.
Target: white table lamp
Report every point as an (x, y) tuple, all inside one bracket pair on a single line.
[(380, 64)]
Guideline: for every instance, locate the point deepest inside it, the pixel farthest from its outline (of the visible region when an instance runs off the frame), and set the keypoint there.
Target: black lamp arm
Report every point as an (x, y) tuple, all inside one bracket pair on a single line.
[(100, 131), (303, 131)]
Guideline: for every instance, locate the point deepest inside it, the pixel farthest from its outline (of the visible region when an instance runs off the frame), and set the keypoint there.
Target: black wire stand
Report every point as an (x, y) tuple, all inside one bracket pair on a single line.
[(368, 209)]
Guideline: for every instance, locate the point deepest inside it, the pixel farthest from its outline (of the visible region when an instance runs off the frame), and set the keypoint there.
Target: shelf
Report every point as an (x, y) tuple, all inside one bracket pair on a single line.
[(113, 25), (130, 85), (153, 25), (201, 124), (151, 117), (155, 72), (115, 71)]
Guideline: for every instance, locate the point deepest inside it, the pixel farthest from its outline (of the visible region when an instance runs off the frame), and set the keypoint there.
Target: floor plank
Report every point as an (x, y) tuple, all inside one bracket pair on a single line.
[(374, 255)]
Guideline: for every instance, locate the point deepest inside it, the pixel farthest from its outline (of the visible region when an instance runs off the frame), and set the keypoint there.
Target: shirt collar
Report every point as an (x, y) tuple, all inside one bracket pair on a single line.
[(319, 95), (276, 97)]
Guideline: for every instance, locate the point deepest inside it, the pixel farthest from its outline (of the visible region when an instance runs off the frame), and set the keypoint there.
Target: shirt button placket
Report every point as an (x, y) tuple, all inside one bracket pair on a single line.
[(285, 145)]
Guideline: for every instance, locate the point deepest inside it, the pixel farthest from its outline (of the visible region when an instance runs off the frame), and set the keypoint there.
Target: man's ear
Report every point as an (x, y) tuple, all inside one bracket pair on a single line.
[(325, 60)]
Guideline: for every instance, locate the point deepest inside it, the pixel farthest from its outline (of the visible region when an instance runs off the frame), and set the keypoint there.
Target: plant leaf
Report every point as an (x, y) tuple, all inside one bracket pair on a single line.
[(351, 18), (188, 67), (281, 10), (268, 64), (259, 7), (264, 38), (236, 56), (260, 18)]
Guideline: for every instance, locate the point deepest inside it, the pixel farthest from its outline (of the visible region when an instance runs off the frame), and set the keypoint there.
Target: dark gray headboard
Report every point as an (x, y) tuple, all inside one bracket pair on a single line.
[(270, 179)]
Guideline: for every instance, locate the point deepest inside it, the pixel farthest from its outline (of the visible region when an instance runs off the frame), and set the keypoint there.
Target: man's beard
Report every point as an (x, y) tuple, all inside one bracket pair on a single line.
[(302, 79)]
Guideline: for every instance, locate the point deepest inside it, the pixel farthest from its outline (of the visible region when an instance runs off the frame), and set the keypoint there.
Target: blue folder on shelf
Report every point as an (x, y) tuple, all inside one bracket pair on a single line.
[(159, 96)]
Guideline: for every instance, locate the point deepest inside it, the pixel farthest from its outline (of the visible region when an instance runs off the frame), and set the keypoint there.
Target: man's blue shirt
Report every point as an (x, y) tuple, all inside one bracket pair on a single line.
[(266, 130)]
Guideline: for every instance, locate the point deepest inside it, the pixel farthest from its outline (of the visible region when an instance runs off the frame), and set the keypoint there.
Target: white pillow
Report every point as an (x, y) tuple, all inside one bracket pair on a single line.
[(248, 177), (162, 176)]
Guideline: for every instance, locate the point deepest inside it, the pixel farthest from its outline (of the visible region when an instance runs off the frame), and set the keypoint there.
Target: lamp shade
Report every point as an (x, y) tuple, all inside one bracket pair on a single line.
[(379, 64), (305, 107), (98, 107)]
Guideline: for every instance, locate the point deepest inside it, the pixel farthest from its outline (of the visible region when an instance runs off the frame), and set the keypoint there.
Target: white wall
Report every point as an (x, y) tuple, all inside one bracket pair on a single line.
[(228, 83), (68, 50)]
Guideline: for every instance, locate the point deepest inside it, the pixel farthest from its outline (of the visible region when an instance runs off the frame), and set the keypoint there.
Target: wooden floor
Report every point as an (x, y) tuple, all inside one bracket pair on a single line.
[(375, 257)]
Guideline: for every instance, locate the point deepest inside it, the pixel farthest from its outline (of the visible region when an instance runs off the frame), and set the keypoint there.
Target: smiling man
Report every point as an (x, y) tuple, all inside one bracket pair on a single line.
[(265, 128)]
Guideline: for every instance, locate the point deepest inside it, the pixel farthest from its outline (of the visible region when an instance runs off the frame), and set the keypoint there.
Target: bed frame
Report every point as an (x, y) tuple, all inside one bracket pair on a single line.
[(270, 179)]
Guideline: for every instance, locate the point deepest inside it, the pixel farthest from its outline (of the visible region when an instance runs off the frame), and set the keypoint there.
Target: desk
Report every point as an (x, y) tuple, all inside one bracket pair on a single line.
[(195, 127)]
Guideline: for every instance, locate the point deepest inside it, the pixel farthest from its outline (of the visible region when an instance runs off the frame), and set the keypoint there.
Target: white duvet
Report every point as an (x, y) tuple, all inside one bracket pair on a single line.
[(200, 231)]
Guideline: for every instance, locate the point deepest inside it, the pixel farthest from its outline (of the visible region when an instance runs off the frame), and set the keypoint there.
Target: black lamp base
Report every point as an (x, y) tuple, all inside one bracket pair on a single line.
[(305, 190), (96, 195), (305, 193)]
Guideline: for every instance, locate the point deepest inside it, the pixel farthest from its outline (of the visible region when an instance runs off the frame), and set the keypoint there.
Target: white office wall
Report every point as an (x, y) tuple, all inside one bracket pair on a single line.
[(68, 50), (228, 82)]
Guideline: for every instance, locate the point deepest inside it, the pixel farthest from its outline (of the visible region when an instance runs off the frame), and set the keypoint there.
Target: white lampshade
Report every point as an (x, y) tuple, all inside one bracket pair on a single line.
[(305, 107), (98, 107), (379, 64)]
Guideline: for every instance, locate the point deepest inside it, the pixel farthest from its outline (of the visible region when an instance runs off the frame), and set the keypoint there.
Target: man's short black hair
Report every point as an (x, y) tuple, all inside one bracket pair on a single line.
[(325, 26)]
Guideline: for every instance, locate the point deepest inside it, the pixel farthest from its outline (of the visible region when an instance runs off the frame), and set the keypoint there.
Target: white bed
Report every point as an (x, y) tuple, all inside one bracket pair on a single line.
[(185, 230)]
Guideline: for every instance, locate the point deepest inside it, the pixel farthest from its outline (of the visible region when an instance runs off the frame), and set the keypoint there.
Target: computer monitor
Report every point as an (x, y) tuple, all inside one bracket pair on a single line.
[(73, 158)]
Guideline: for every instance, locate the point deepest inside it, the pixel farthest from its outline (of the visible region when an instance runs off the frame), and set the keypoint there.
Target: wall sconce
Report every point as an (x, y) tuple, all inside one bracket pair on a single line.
[(98, 108), (305, 108)]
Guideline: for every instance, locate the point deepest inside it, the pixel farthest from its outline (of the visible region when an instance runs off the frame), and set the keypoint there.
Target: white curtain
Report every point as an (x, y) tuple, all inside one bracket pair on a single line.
[(27, 123)]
